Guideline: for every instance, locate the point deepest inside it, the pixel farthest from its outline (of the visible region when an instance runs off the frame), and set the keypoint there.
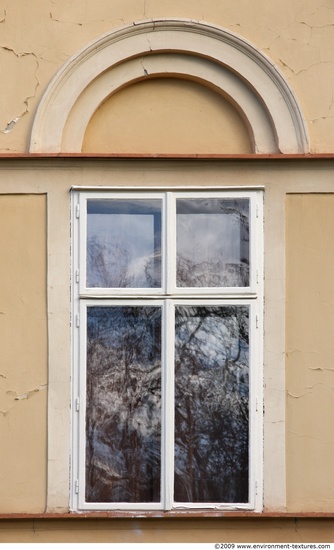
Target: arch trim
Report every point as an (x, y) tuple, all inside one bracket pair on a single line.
[(200, 51)]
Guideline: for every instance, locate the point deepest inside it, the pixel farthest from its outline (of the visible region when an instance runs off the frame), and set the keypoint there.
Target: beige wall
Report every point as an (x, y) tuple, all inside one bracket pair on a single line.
[(23, 357), (306, 464), (310, 352), (299, 353), (39, 36), (167, 116), (221, 530)]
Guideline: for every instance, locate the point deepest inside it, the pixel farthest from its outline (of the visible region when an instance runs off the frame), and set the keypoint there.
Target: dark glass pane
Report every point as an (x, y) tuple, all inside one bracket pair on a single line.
[(123, 412), (212, 242), (124, 243), (211, 404)]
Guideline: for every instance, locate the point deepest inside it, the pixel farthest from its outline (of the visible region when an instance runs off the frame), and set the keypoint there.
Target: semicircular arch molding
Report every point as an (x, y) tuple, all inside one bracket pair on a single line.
[(209, 55)]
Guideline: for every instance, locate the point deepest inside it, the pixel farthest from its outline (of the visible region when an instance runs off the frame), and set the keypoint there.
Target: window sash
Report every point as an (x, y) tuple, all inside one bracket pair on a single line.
[(167, 412), (169, 245)]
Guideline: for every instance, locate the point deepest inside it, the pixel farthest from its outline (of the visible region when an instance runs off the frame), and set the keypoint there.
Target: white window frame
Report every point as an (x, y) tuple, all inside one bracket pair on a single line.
[(167, 297)]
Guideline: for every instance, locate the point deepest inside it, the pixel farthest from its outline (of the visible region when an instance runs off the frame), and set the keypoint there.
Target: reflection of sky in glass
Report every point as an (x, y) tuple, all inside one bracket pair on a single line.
[(212, 242), (203, 237), (123, 244)]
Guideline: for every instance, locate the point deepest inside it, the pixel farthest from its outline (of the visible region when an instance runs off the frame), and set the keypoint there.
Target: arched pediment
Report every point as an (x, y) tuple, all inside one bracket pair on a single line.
[(206, 54)]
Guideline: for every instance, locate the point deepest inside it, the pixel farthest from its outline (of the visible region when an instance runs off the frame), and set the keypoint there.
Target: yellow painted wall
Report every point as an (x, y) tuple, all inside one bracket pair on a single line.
[(23, 355), (299, 201), (167, 116), (164, 531), (310, 352), (37, 37)]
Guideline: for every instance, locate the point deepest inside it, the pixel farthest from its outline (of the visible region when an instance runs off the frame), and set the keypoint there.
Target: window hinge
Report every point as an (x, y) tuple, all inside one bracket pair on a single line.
[(257, 321), (256, 405), (77, 320), (77, 404), (77, 275), (257, 276), (77, 211), (76, 486), (256, 487), (257, 211)]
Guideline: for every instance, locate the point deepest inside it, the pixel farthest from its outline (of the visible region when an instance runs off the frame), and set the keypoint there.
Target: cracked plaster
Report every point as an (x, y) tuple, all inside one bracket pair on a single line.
[(298, 38), (18, 90), (23, 361)]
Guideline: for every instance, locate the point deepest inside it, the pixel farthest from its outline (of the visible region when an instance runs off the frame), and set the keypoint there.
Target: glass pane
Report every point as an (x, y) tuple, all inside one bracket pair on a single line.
[(212, 242), (211, 404), (123, 411), (124, 243)]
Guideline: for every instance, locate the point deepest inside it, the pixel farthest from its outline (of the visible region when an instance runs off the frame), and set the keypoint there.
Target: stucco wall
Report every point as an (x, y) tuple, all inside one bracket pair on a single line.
[(306, 464), (168, 531), (23, 358), (39, 36), (164, 116), (310, 352)]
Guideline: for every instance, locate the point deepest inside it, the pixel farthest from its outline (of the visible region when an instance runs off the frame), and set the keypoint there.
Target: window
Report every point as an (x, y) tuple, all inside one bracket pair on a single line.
[(167, 375)]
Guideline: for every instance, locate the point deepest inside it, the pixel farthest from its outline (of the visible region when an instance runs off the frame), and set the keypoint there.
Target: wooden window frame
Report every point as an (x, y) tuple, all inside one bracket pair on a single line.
[(168, 296)]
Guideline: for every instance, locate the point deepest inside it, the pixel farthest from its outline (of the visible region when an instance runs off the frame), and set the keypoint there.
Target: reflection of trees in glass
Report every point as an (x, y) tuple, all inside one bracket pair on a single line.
[(211, 404), (109, 266), (212, 242), (123, 412), (124, 243), (211, 274)]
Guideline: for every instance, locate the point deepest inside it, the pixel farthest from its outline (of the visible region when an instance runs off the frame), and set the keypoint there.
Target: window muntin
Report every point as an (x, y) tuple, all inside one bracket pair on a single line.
[(225, 349)]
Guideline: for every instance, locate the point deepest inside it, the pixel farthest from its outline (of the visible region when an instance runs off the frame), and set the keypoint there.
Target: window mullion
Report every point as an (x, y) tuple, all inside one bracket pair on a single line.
[(168, 412), (170, 243)]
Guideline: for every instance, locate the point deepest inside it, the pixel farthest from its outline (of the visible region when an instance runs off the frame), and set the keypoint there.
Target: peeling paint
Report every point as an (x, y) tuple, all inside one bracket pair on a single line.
[(30, 393), (19, 397), (298, 396), (12, 123)]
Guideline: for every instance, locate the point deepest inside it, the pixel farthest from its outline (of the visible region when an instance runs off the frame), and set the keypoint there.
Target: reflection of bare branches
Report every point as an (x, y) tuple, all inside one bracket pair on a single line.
[(107, 264), (123, 404), (211, 274), (238, 209), (124, 399), (110, 266), (211, 409)]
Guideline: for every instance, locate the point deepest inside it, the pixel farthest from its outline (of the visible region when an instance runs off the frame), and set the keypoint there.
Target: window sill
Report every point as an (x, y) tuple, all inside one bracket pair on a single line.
[(205, 514)]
